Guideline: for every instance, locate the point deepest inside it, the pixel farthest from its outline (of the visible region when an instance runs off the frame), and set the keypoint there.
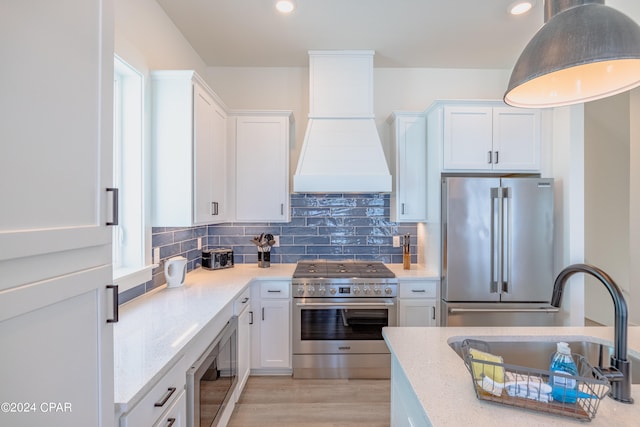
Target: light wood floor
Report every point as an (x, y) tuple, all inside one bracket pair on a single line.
[(285, 402)]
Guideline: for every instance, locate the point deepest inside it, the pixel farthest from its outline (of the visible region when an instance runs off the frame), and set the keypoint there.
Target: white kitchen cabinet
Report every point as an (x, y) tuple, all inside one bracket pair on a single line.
[(408, 199), (165, 399), (189, 140), (242, 309), (417, 303), (406, 409), (55, 245), (176, 414), (262, 167), (490, 137), (271, 329)]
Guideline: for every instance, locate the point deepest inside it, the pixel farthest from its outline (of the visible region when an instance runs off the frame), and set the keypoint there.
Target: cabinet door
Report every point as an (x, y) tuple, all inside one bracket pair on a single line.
[(55, 247), (203, 155), (516, 139), (275, 334), (262, 169), (244, 349), (219, 165), (417, 312), (411, 170), (468, 137)]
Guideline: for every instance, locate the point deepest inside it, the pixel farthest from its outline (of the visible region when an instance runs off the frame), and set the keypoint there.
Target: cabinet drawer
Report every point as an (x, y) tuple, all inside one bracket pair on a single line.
[(242, 301), (418, 289), (162, 396), (275, 289)]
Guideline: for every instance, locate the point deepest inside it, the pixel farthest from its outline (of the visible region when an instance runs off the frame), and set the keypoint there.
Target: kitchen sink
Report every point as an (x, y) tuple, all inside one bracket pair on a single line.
[(537, 353)]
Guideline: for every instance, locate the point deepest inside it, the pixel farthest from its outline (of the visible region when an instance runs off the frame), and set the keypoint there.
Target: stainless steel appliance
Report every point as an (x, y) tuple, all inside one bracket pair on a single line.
[(212, 379), (497, 251), (339, 310), (215, 259)]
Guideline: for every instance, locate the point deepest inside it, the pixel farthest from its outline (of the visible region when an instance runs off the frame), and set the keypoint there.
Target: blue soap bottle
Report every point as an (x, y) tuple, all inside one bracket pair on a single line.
[(562, 362)]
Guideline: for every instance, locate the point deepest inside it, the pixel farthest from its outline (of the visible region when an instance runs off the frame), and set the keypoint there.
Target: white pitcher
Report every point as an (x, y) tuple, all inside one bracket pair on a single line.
[(175, 270)]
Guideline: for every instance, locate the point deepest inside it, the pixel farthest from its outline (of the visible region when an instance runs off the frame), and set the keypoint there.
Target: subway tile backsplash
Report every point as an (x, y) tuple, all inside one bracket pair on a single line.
[(323, 226)]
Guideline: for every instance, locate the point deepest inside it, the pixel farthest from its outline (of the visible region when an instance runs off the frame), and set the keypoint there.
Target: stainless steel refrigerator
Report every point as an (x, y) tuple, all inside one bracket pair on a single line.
[(497, 251)]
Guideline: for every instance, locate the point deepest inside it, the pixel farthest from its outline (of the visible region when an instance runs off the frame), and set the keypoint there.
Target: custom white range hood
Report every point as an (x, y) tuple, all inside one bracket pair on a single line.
[(342, 151)]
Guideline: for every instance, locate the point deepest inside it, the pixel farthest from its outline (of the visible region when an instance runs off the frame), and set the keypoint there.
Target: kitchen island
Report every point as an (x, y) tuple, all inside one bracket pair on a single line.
[(437, 388)]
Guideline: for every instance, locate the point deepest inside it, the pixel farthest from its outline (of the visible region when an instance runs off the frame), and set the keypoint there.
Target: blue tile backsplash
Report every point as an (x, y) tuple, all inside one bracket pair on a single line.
[(323, 226)]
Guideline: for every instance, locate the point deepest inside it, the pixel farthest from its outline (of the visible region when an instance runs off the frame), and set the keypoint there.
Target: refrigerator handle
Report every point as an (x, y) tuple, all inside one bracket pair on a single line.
[(506, 239), (495, 239)]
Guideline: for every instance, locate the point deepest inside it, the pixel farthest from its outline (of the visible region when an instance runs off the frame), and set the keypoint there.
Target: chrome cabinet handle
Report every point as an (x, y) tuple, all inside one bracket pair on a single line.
[(281, 208), (114, 316), (244, 301), (274, 292), (418, 290), (495, 156), (433, 313), (262, 313), (214, 208), (402, 208), (251, 317), (115, 206), (170, 421), (165, 398), (489, 157)]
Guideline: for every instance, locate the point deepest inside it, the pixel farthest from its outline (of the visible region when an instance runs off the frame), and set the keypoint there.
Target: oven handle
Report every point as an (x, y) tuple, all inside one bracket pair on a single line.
[(346, 305)]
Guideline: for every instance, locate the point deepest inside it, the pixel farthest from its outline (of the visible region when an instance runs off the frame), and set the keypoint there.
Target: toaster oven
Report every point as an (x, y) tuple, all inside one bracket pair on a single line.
[(215, 259)]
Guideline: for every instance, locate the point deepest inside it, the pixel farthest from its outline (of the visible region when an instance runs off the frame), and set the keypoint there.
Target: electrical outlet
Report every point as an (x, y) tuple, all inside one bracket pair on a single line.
[(199, 242), (277, 243), (396, 241), (156, 255)]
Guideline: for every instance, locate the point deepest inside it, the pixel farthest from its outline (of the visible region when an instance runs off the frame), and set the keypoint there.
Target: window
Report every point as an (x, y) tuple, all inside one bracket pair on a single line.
[(132, 236)]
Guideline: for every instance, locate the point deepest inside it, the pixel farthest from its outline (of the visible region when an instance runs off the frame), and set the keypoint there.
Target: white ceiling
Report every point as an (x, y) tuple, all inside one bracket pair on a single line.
[(403, 33)]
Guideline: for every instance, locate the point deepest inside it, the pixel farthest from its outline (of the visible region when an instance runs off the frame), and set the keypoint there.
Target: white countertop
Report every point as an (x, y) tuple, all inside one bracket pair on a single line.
[(443, 385), (154, 328)]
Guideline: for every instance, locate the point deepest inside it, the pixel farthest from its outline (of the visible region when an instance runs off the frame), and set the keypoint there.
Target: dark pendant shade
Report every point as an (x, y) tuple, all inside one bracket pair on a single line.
[(585, 51)]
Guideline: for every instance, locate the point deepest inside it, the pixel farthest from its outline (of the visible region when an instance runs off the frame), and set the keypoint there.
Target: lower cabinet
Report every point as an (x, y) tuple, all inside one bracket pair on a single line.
[(245, 320), (176, 414), (271, 328), (417, 303), (165, 400), (406, 410)]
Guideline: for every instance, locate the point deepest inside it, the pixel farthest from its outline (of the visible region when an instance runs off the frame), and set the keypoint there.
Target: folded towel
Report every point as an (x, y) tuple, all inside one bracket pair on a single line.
[(480, 369), (491, 386), (529, 390)]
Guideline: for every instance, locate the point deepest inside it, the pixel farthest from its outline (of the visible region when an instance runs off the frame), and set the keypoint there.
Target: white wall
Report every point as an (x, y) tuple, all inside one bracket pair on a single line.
[(146, 38), (634, 207), (606, 200), (410, 89)]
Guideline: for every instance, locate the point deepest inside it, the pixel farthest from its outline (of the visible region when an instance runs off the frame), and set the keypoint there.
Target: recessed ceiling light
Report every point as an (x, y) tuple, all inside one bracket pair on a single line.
[(285, 6), (520, 7)]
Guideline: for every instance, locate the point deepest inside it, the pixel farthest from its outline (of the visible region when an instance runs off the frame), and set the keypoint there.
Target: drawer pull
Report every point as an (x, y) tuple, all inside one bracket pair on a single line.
[(166, 397), (418, 290), (170, 422), (244, 301), (274, 292)]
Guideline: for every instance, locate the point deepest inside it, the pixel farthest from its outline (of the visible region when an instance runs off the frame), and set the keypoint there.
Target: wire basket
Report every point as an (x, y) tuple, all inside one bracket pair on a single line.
[(530, 388)]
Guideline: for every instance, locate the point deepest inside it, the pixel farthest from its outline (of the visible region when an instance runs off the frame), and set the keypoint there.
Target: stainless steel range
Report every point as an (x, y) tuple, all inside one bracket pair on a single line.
[(339, 310)]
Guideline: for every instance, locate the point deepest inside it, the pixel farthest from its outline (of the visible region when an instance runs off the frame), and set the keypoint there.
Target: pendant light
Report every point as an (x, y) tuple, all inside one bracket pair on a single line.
[(584, 51)]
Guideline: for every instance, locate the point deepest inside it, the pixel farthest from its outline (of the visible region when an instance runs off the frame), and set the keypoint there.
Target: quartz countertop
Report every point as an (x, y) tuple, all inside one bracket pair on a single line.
[(154, 328), (443, 385)]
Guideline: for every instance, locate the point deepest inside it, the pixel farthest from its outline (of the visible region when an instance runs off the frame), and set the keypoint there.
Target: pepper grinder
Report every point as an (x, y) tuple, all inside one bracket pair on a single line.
[(406, 253)]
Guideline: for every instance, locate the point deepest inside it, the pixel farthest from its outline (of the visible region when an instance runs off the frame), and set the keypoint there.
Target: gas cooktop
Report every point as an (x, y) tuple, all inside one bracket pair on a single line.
[(327, 269)]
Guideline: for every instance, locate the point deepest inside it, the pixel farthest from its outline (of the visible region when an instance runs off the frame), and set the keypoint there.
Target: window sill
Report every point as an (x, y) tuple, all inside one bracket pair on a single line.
[(127, 278)]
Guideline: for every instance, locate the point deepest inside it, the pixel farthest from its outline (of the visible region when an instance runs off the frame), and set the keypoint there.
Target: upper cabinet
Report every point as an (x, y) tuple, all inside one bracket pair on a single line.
[(408, 199), (262, 167), (490, 137), (189, 151)]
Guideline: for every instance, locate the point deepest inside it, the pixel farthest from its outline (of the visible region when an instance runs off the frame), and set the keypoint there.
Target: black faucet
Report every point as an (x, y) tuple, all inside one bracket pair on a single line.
[(619, 374)]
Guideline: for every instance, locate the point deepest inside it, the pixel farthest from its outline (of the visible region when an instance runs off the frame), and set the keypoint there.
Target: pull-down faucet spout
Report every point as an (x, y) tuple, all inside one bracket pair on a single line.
[(621, 380)]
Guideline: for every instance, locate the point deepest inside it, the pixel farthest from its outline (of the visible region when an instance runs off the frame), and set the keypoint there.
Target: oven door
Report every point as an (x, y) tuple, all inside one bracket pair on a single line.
[(341, 325)]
